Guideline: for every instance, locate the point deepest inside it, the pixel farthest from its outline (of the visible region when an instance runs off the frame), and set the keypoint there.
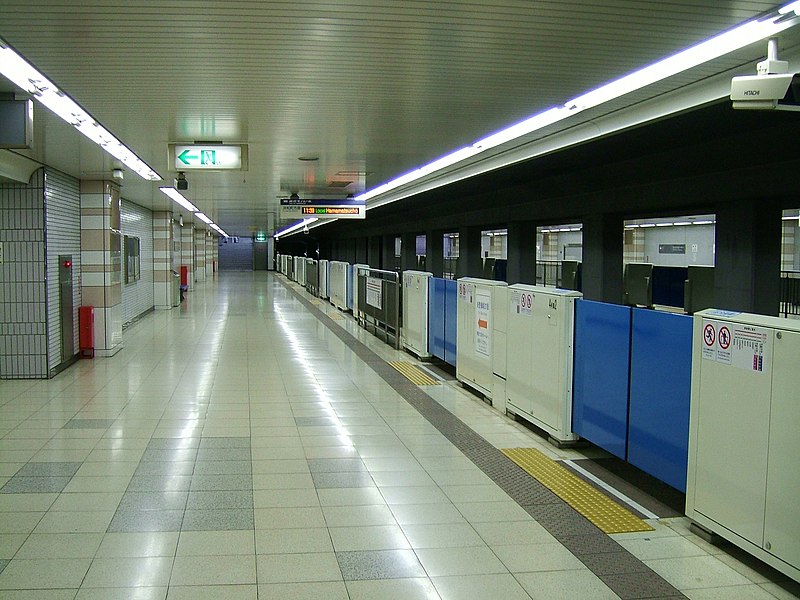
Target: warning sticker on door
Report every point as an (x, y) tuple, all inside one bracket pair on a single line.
[(483, 324), (375, 292), (521, 303), (735, 344), (466, 291)]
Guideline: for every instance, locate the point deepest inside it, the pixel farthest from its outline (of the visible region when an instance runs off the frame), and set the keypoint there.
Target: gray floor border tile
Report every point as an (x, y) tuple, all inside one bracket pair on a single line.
[(617, 567)]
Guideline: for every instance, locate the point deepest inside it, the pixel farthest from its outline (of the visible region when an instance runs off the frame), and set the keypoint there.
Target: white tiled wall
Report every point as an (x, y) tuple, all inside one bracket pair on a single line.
[(138, 297), (23, 302), (62, 237)]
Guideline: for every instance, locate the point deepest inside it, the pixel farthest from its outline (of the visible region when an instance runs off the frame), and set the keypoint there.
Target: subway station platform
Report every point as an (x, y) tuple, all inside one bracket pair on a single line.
[(255, 443)]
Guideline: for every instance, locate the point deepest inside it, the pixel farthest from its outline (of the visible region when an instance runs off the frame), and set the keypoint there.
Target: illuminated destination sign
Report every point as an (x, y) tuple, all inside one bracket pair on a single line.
[(306, 208), (336, 211), (209, 157)]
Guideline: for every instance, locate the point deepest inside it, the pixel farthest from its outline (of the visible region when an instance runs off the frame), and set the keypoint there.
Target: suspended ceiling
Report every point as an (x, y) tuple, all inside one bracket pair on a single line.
[(370, 88)]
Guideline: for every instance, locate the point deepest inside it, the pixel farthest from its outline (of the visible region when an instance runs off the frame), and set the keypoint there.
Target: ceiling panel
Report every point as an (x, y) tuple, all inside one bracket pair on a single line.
[(371, 87)]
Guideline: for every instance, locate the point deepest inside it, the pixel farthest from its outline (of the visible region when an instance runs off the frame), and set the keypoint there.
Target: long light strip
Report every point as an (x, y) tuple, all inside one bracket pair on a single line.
[(715, 47), (295, 227), (725, 43), (179, 198), (219, 230), (182, 201), (26, 76), (793, 7)]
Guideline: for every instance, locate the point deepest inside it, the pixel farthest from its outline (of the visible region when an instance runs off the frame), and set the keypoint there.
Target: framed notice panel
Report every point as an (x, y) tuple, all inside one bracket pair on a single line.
[(208, 157)]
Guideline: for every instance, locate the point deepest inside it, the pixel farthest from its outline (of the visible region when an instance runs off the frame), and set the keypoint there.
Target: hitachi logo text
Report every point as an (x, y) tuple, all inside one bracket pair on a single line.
[(752, 92)]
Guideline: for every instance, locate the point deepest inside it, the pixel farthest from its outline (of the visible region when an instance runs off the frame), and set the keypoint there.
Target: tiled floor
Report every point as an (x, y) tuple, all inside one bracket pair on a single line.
[(237, 448)]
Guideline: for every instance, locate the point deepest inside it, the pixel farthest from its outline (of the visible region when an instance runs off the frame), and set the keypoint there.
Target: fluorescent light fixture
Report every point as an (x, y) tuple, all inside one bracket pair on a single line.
[(682, 223), (646, 225), (739, 37), (703, 222), (663, 224), (179, 198), (534, 123), (182, 201), (449, 159), (218, 229), (791, 218), (631, 227), (26, 76), (437, 165), (295, 227)]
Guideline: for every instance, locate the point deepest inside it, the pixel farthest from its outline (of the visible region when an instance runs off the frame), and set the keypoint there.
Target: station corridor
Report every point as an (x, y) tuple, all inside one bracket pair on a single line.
[(254, 443)]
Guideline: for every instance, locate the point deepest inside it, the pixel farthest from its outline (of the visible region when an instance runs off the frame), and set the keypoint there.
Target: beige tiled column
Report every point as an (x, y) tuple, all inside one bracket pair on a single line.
[(211, 240), (788, 245), (162, 259), (200, 254), (187, 251), (101, 262), (633, 249), (215, 250)]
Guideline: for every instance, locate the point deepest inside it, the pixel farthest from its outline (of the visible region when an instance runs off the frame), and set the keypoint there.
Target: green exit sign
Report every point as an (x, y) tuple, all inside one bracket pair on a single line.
[(208, 157), (261, 237)]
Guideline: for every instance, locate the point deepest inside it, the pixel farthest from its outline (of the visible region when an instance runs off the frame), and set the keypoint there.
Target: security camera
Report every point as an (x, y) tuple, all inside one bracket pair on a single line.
[(773, 88), (180, 181), (780, 91)]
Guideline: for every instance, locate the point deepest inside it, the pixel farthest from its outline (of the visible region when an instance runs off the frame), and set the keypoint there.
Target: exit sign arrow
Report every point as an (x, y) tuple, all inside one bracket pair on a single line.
[(186, 156)]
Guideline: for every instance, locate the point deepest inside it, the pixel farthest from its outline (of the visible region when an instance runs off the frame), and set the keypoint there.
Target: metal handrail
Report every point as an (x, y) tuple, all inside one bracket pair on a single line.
[(790, 293), (361, 316), (449, 267), (548, 273)]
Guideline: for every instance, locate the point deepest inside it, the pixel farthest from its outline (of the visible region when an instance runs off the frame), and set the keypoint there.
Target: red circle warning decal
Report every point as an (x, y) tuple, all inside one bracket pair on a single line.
[(709, 335), (724, 338)]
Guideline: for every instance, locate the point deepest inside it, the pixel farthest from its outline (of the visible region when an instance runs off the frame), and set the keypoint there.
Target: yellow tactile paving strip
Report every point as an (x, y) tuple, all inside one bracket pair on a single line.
[(412, 373), (609, 516)]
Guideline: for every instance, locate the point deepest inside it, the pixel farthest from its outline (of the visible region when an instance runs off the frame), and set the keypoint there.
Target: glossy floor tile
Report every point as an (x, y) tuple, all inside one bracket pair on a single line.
[(250, 444)]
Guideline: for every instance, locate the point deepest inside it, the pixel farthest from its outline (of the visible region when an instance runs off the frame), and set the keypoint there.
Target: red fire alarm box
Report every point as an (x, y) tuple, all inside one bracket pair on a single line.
[(184, 275), (86, 331)]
